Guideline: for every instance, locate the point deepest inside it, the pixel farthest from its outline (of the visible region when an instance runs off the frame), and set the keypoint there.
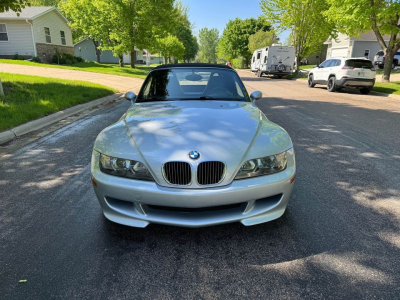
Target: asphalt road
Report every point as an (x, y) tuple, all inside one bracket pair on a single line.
[(340, 237)]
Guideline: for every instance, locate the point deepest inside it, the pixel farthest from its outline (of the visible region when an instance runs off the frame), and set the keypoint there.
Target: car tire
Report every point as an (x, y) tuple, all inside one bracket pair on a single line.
[(259, 74), (380, 67), (311, 83), (331, 86), (365, 91), (393, 66)]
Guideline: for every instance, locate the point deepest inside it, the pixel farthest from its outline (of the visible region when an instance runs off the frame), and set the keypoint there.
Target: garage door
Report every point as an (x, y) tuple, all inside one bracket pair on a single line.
[(339, 52)]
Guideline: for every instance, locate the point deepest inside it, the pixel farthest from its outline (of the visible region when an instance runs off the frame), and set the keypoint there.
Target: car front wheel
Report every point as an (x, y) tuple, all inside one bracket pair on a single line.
[(311, 83), (332, 84)]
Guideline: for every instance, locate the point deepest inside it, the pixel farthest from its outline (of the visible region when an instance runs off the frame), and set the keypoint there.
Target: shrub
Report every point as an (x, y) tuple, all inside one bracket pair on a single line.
[(239, 63), (36, 59), (79, 59), (74, 60), (17, 57), (68, 62)]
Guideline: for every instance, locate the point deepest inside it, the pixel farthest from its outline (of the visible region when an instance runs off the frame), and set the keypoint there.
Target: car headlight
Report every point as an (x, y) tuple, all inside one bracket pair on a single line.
[(124, 168), (263, 166)]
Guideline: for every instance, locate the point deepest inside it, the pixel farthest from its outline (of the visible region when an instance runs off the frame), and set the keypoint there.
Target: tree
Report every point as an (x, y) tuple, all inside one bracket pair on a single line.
[(261, 39), (170, 46), (234, 42), (121, 25), (15, 5), (208, 39), (184, 34), (380, 16), (305, 18), (183, 30)]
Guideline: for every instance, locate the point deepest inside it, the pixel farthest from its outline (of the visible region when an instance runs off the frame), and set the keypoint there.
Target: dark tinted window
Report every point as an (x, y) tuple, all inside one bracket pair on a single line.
[(359, 63), (380, 53), (265, 59), (192, 84), (258, 55), (397, 53)]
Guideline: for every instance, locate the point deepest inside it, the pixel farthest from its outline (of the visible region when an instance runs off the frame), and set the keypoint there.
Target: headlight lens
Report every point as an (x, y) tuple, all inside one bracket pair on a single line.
[(124, 168), (263, 166)]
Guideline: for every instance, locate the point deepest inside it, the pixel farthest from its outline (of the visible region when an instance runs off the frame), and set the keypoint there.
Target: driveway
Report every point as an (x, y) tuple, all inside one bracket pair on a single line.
[(339, 239), (121, 83)]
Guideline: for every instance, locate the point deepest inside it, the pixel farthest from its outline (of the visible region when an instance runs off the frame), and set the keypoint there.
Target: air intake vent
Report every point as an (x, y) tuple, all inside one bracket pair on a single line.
[(210, 172), (176, 172)]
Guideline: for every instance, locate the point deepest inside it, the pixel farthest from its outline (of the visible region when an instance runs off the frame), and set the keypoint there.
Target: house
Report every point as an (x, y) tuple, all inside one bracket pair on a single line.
[(316, 58), (87, 50), (344, 46), (37, 31)]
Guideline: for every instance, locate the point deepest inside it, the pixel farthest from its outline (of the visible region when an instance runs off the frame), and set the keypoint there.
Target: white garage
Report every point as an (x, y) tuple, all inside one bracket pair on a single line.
[(339, 52)]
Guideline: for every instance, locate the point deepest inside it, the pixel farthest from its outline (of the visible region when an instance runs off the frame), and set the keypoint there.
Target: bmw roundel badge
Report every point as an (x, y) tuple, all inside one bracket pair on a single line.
[(194, 155)]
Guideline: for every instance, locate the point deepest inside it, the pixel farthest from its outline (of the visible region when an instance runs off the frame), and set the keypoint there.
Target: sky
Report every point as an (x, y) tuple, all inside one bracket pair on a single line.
[(216, 13)]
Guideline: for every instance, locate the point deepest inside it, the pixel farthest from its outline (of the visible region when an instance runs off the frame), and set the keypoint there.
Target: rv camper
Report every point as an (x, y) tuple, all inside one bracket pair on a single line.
[(274, 60)]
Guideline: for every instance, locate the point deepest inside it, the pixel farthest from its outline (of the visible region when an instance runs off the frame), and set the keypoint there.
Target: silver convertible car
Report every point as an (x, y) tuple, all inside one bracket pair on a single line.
[(193, 150)]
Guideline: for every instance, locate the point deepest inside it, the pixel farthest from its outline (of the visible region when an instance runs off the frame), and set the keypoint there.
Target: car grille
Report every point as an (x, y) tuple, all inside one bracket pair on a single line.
[(210, 172), (178, 173)]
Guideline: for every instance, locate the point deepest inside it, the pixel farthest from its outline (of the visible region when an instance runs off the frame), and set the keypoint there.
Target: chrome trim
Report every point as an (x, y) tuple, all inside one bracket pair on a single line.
[(213, 184), (181, 161)]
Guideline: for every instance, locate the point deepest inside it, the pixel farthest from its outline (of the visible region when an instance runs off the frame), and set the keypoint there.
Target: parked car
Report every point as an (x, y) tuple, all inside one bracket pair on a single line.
[(338, 73), (380, 57), (273, 60), (193, 150), (229, 64)]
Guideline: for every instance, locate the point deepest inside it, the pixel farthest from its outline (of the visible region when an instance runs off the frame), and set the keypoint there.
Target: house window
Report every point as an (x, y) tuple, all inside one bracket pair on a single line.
[(3, 33), (47, 34), (62, 33), (366, 53)]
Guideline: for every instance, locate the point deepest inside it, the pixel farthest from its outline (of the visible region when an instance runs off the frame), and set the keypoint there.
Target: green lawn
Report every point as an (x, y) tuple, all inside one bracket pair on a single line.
[(303, 67), (139, 72), (30, 97), (388, 88)]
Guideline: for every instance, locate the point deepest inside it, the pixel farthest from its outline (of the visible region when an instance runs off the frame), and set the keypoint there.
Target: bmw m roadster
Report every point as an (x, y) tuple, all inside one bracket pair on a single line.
[(193, 150)]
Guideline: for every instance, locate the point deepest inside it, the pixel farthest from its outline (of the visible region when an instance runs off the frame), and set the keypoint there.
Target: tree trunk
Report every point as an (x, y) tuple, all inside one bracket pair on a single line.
[(1, 89), (121, 60), (298, 59), (387, 68), (98, 51), (133, 58)]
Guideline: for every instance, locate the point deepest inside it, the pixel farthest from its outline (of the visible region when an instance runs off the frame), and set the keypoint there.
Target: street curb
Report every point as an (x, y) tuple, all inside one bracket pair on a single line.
[(15, 132), (371, 93)]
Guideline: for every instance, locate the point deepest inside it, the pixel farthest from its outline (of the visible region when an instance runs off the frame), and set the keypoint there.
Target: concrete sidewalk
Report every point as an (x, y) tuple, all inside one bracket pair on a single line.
[(121, 83)]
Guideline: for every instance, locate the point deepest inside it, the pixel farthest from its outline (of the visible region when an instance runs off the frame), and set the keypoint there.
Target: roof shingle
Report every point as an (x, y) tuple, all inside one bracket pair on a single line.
[(26, 13)]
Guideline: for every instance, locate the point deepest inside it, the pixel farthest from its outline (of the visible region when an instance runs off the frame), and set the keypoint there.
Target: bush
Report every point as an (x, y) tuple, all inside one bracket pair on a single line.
[(36, 59), (239, 63), (79, 59), (74, 60), (68, 62), (17, 57)]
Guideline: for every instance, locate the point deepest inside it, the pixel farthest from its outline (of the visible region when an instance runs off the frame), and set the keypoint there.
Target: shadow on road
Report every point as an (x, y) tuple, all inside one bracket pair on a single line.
[(340, 236)]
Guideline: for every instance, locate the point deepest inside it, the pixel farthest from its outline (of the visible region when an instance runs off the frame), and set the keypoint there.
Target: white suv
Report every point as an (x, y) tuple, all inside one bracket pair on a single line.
[(338, 73)]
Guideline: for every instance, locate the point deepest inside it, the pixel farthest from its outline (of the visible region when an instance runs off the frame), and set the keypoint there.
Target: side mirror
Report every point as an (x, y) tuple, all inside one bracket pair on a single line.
[(255, 95), (131, 96), (317, 66)]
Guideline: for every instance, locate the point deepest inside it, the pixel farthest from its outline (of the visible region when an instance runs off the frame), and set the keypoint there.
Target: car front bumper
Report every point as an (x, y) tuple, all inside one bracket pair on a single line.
[(355, 82), (139, 203)]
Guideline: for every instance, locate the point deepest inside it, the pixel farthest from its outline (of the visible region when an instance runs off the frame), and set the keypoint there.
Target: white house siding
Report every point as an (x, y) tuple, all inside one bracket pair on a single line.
[(87, 50), (55, 23), (19, 38), (360, 47)]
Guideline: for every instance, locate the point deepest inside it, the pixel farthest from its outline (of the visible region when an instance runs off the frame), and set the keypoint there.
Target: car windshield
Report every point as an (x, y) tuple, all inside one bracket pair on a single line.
[(359, 63), (192, 84)]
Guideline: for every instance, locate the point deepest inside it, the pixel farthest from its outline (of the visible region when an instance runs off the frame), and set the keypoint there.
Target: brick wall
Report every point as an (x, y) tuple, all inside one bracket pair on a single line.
[(46, 51)]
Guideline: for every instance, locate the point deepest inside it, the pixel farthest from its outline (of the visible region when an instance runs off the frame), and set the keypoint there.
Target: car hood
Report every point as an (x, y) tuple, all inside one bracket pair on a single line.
[(227, 131)]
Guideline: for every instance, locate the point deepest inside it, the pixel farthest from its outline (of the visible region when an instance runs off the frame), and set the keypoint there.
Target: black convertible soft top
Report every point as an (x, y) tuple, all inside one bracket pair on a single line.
[(192, 65)]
